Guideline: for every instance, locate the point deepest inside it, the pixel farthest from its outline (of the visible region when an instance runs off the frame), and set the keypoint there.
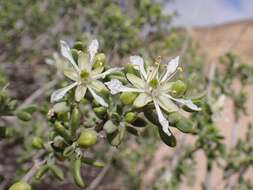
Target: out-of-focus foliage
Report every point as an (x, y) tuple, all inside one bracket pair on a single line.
[(68, 135)]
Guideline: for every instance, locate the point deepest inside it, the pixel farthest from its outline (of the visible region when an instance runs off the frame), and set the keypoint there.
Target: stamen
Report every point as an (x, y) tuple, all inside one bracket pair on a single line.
[(158, 60)]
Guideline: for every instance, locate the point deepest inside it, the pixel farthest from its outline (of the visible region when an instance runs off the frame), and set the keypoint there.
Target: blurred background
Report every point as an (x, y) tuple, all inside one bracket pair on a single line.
[(202, 30)]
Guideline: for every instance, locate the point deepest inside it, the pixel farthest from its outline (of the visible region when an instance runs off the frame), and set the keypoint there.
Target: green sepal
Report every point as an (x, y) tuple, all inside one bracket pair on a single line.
[(79, 46)]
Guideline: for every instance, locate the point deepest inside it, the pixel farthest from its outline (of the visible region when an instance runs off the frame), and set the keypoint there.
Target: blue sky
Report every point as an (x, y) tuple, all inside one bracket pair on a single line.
[(210, 12)]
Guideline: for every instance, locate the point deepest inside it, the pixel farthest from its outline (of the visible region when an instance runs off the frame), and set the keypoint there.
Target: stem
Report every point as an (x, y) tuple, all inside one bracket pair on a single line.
[(34, 168), (99, 178)]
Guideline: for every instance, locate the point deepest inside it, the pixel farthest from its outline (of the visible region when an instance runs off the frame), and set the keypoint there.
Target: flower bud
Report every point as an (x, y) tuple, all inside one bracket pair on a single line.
[(21, 185), (37, 142), (130, 117), (75, 121), (61, 107), (128, 97), (99, 60), (178, 88), (24, 116), (100, 112), (79, 46), (87, 138)]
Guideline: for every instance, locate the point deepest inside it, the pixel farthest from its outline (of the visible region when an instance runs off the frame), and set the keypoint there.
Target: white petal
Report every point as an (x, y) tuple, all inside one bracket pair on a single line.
[(72, 74), (116, 86), (60, 93), (98, 98), (171, 68), (83, 61), (136, 81), (80, 92), (142, 100), (163, 121), (92, 49), (98, 85), (188, 103), (109, 71), (167, 104), (138, 64), (66, 52)]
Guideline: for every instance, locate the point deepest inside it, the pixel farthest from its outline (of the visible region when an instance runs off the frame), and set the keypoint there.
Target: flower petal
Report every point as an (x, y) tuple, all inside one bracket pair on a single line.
[(109, 71), (171, 68), (83, 61), (98, 98), (60, 93), (167, 104), (136, 81), (138, 64), (162, 120), (165, 87), (66, 53), (188, 103), (80, 92), (142, 100), (97, 85), (70, 73), (116, 86), (92, 49), (97, 71)]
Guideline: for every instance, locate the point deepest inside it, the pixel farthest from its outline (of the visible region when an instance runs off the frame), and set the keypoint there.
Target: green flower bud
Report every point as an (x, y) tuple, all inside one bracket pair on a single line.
[(61, 107), (24, 116), (99, 60), (30, 109), (56, 171), (75, 121), (178, 88), (21, 185), (128, 97), (77, 172), (100, 112), (109, 127), (79, 46), (130, 117), (87, 138), (41, 171), (37, 142), (60, 129)]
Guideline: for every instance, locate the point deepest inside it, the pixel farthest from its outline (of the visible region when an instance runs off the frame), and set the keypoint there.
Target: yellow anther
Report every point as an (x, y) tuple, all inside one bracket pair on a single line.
[(180, 69), (158, 60)]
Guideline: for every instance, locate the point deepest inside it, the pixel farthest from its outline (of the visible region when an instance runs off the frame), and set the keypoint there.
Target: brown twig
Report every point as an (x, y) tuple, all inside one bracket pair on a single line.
[(99, 178)]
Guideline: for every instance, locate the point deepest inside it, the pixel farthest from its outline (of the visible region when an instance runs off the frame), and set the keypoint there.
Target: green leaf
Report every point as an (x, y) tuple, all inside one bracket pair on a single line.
[(109, 127), (182, 123), (116, 137), (168, 140), (132, 131), (139, 122), (56, 171), (24, 116)]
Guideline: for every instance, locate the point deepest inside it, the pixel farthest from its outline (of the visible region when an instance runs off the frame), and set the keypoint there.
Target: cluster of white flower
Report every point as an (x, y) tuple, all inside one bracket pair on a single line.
[(151, 86)]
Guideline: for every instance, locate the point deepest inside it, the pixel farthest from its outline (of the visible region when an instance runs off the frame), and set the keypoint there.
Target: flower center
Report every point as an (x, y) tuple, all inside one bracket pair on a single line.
[(84, 75)]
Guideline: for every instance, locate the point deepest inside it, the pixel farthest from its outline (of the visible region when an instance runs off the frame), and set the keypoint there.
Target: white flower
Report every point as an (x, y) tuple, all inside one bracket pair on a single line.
[(82, 74), (152, 88)]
